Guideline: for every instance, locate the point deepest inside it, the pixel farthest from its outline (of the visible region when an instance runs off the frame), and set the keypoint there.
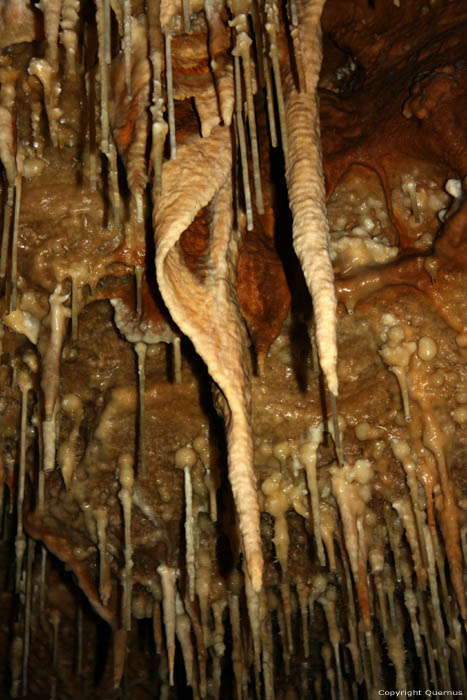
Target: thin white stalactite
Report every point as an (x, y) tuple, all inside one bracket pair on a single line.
[(309, 459), (14, 247), (43, 580), (159, 125), (242, 49), (104, 77), (240, 129), (126, 478), (336, 430), (274, 55), (177, 359), (170, 95), (24, 384), (295, 35), (102, 520), (114, 186), (127, 44), (74, 309), (185, 458), (139, 272), (141, 351), (270, 101)]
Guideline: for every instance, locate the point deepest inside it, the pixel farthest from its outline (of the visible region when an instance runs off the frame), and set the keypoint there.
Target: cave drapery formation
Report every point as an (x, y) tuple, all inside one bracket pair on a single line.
[(289, 516)]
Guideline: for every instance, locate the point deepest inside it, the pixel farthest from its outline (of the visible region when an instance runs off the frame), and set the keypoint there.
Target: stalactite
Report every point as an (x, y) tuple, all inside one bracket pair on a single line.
[(8, 159), (43, 580), (168, 581), (103, 77), (410, 601), (326, 654), (51, 350), (309, 457), (287, 607), (185, 458), (141, 351), (127, 43), (352, 625), (405, 512), (270, 10), (237, 656), (376, 559), (267, 646), (434, 439), (159, 125), (126, 478), (240, 130), (177, 359), (35, 101), (395, 645), (183, 631), (102, 520), (24, 384), (336, 430), (16, 215), (202, 447), (45, 72), (203, 588), (157, 626), (200, 646), (425, 630), (215, 308), (51, 11), (114, 187), (307, 194), (242, 50), (131, 131), (438, 620), (66, 456), (252, 601), (277, 504), (328, 601), (303, 593), (68, 33), (170, 95), (221, 63)]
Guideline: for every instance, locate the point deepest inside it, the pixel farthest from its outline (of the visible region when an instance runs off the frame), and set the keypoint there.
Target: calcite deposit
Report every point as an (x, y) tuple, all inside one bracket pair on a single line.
[(233, 344)]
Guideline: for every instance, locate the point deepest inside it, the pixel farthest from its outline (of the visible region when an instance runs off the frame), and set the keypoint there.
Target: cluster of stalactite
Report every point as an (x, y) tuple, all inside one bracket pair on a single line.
[(119, 89), (312, 549)]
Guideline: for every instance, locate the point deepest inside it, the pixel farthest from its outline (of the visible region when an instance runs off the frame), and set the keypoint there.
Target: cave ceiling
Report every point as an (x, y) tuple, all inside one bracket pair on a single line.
[(233, 343)]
